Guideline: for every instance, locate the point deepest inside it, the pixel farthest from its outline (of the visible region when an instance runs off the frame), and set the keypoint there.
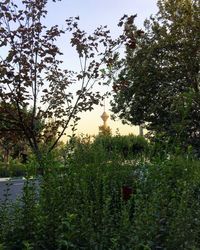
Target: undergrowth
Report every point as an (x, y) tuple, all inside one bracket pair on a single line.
[(107, 203)]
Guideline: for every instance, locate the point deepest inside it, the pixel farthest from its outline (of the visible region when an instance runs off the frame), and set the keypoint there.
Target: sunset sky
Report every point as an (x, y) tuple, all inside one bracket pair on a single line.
[(93, 13)]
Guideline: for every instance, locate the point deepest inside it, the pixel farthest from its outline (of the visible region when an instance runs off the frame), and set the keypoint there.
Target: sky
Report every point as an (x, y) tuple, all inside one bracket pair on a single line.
[(94, 13)]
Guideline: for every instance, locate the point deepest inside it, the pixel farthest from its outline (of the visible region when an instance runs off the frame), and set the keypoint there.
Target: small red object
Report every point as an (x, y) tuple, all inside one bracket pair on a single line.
[(127, 192)]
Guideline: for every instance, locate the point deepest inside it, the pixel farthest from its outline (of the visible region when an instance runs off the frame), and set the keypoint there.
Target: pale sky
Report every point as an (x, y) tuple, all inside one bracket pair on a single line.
[(93, 13)]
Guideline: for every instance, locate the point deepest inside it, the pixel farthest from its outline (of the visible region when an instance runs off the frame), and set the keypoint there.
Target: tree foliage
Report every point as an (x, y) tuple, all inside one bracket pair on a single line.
[(12, 139), (159, 84), (31, 71)]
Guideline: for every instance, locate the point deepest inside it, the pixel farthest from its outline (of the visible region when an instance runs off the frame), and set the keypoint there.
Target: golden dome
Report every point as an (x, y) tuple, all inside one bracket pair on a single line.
[(104, 116)]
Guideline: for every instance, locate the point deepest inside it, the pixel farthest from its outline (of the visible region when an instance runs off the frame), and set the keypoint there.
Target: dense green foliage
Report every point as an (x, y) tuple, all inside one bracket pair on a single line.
[(159, 85), (83, 149), (105, 148), (106, 201), (115, 192), (13, 168)]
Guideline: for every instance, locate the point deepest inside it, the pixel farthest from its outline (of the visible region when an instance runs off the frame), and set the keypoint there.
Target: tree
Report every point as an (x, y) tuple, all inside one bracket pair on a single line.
[(10, 135), (31, 72), (159, 84), (12, 139), (106, 131)]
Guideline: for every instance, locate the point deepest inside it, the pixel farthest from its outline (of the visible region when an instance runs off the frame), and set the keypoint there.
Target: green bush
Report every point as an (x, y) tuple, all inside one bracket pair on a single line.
[(106, 147), (12, 168), (81, 209), (167, 211), (15, 167), (149, 204), (125, 146)]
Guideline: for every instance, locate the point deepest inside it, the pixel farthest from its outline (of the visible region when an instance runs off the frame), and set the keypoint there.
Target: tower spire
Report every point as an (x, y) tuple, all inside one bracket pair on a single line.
[(104, 129)]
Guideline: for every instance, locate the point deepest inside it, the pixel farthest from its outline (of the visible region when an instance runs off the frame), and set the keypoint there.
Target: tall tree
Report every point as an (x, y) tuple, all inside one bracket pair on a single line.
[(159, 84), (31, 72)]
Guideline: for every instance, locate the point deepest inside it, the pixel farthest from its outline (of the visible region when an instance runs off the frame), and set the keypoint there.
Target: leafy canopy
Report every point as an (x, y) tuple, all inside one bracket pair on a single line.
[(159, 83), (32, 75)]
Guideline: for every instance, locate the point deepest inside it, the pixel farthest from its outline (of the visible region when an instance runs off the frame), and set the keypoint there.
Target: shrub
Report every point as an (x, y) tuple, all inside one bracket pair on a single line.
[(12, 168), (167, 205), (152, 204), (106, 147)]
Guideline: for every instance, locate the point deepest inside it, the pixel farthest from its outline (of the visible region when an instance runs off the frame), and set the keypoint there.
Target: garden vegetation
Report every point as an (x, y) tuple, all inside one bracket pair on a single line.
[(98, 197), (103, 192)]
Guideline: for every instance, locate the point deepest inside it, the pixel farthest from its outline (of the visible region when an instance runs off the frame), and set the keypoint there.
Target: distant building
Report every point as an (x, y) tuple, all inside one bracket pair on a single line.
[(105, 117), (104, 129)]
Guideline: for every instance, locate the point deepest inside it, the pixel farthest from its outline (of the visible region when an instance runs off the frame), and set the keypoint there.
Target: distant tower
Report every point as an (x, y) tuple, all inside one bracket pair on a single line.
[(104, 129), (105, 117)]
